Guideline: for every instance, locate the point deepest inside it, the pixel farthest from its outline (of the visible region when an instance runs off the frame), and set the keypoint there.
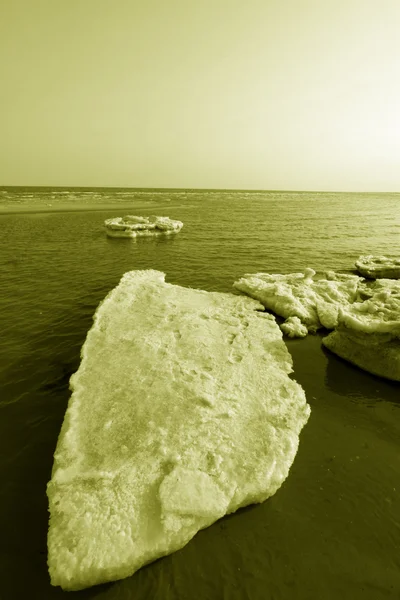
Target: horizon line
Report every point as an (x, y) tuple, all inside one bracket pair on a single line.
[(86, 187)]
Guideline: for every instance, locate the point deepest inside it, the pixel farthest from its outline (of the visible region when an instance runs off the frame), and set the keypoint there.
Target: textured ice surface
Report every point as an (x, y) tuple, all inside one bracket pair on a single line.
[(315, 301), (364, 314), (368, 332), (379, 312), (182, 411), (132, 226), (293, 327), (378, 267)]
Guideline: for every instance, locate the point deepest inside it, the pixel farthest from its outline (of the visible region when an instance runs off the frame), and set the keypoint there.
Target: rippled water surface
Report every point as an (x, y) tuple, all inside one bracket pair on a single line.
[(333, 529)]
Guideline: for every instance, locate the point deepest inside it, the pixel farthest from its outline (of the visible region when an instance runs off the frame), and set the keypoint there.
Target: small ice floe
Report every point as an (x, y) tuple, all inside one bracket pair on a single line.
[(378, 267), (365, 315), (293, 327), (368, 332), (132, 226)]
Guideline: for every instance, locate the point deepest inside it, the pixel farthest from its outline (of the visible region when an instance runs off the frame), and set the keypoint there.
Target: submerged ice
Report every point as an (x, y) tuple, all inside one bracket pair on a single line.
[(182, 411), (133, 226)]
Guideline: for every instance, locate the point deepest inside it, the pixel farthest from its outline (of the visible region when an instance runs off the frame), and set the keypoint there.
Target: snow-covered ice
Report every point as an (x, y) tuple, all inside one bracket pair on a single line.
[(368, 332), (378, 267), (181, 411), (133, 226), (314, 301)]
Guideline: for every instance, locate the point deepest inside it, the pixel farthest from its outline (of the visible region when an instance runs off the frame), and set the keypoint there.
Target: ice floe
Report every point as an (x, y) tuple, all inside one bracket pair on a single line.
[(378, 267), (133, 226), (364, 314), (368, 332), (182, 410), (314, 301)]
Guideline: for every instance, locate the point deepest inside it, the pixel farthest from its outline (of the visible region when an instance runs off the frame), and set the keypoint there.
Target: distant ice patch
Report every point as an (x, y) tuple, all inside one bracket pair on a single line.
[(133, 226), (378, 267), (182, 410)]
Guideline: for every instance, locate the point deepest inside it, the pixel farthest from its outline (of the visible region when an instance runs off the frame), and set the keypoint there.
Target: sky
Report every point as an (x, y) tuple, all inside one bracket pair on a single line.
[(255, 94)]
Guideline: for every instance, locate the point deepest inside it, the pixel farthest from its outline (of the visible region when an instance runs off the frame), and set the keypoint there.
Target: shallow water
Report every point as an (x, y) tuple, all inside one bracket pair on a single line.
[(333, 529)]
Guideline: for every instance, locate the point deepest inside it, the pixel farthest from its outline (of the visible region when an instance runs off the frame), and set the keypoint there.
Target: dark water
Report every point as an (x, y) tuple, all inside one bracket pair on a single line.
[(333, 529)]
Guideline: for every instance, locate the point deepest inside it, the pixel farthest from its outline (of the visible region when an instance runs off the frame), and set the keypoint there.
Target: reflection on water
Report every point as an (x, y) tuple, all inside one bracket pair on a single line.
[(348, 380)]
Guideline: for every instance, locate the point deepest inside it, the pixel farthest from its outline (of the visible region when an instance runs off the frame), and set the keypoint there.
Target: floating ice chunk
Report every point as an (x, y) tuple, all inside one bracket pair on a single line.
[(166, 224), (368, 332), (377, 267), (293, 327), (132, 226), (313, 301), (182, 411)]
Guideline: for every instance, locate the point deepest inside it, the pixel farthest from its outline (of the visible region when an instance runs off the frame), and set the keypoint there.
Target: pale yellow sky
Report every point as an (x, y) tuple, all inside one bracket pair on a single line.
[(255, 94)]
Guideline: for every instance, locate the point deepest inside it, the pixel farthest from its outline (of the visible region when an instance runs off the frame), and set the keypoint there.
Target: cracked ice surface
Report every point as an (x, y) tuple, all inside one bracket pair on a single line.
[(133, 226), (182, 411)]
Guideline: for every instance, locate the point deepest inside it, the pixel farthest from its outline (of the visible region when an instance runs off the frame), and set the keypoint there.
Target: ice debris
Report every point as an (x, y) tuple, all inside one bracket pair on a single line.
[(368, 332), (314, 301), (378, 267), (181, 411), (293, 327), (132, 226)]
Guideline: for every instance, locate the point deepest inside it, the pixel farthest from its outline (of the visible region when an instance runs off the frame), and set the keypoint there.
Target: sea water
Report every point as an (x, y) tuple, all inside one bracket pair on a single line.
[(333, 529)]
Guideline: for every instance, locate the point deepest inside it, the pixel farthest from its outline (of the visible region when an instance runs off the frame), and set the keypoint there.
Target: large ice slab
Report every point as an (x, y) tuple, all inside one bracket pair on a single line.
[(133, 226), (182, 411), (378, 267), (314, 301), (368, 332)]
